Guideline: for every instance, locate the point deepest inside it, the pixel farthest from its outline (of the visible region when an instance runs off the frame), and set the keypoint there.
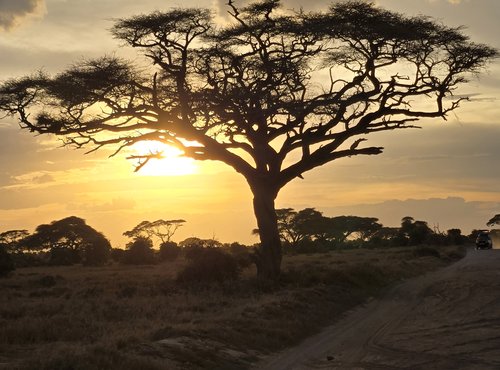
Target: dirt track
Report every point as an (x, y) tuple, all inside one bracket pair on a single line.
[(449, 319)]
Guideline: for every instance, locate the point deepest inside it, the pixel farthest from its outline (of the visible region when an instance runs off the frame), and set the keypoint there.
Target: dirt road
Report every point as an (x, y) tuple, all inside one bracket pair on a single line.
[(449, 319)]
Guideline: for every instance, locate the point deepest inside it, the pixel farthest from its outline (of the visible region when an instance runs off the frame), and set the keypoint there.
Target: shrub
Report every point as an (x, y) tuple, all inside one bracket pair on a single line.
[(26, 259), (97, 251), (118, 254), (169, 251), (63, 256), (139, 252), (6, 263), (209, 265), (243, 254)]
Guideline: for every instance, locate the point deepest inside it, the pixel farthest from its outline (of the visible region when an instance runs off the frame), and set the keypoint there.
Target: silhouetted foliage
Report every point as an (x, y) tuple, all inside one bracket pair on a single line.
[(256, 86), (455, 237), (117, 254), (161, 229), (169, 251), (414, 232), (495, 220), (139, 252), (12, 240), (69, 240), (308, 230), (6, 263), (243, 254), (209, 265)]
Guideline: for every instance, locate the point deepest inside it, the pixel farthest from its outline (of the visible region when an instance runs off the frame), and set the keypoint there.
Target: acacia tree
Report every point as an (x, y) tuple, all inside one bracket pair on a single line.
[(164, 230), (70, 240), (273, 93), (495, 220)]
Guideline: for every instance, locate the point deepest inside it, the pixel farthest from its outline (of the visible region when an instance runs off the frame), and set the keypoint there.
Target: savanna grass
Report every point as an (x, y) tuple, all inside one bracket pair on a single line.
[(140, 317)]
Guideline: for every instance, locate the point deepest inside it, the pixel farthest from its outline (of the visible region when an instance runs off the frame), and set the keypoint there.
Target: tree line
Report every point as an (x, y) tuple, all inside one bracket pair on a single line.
[(71, 241), (308, 230)]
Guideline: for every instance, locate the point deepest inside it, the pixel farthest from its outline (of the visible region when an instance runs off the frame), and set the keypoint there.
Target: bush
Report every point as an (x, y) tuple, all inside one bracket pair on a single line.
[(243, 254), (139, 252), (169, 251), (26, 259), (63, 256), (6, 263), (209, 265), (118, 254), (97, 252)]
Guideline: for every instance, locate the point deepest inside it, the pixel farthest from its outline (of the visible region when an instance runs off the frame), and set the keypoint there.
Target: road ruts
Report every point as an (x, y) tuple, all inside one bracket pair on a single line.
[(449, 319)]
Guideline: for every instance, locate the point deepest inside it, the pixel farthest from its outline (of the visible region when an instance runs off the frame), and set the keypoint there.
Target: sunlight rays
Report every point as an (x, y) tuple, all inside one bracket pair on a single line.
[(172, 163)]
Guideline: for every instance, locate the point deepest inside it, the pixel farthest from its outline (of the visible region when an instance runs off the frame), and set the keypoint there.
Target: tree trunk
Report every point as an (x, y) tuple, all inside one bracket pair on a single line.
[(269, 254)]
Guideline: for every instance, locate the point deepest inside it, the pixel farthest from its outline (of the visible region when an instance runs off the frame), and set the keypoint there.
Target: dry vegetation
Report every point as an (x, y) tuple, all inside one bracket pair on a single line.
[(138, 317)]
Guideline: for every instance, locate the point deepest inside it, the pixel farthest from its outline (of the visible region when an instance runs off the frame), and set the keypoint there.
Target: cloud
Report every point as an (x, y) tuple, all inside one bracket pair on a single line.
[(12, 13), (117, 204)]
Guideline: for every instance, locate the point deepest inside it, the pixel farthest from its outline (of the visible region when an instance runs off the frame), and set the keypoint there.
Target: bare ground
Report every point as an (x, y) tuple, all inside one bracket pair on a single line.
[(448, 319)]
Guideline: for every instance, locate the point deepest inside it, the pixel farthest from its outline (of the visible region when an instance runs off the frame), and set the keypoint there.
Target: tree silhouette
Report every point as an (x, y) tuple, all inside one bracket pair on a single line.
[(164, 230), (12, 240), (139, 251), (495, 220), (70, 240), (273, 93)]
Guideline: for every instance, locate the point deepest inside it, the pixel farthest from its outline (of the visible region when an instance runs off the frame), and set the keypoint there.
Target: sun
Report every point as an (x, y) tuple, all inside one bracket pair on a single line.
[(172, 163)]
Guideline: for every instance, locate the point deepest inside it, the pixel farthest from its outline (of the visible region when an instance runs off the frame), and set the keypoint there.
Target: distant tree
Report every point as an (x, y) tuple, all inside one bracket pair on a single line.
[(273, 93), (164, 230), (198, 242), (12, 240), (343, 227), (495, 220), (386, 236), (286, 218), (309, 224), (210, 265), (455, 237), (415, 232), (139, 252), (169, 251), (70, 240)]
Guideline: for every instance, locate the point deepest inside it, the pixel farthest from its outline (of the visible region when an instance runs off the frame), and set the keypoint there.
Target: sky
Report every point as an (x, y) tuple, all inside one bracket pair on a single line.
[(446, 173)]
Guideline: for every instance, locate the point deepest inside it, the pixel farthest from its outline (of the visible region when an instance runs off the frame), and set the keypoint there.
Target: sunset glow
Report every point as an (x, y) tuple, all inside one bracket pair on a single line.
[(171, 164)]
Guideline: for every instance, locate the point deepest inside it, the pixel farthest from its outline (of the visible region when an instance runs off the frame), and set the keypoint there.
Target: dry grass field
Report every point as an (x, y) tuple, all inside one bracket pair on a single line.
[(138, 317)]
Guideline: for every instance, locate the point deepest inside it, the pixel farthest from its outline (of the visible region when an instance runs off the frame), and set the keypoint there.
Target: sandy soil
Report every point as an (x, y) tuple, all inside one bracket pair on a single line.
[(448, 319)]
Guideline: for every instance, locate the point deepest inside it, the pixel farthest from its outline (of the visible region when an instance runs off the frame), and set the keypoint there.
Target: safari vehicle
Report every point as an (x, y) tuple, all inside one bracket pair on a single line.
[(483, 240)]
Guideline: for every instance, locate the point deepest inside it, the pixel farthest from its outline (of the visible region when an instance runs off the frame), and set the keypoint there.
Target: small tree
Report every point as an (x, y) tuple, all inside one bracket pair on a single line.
[(164, 230), (273, 93), (210, 265), (69, 240), (169, 251), (139, 252)]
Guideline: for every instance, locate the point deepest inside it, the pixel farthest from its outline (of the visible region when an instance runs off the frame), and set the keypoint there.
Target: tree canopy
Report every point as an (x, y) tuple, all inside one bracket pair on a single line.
[(273, 94), (70, 240), (164, 230), (495, 220)]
